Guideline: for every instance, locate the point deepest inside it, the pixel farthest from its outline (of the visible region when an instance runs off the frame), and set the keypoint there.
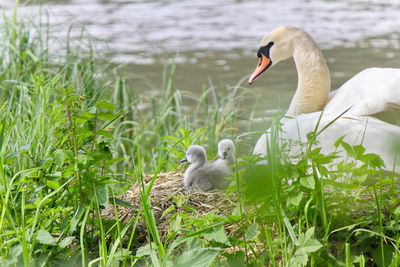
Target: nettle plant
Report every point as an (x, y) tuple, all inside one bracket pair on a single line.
[(56, 164), (83, 151)]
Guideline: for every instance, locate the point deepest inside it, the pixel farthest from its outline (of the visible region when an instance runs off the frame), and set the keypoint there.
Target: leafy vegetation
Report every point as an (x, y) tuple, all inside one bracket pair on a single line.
[(73, 135)]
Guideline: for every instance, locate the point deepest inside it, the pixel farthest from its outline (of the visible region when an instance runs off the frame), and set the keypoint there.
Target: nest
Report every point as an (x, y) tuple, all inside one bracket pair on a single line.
[(166, 188)]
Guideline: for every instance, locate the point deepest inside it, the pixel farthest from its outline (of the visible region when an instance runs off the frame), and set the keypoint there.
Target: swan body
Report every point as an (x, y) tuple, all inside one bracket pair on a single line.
[(371, 92), (375, 135), (201, 174)]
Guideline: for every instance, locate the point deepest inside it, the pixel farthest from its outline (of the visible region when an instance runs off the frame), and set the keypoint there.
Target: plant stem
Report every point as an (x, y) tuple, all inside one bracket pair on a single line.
[(74, 145)]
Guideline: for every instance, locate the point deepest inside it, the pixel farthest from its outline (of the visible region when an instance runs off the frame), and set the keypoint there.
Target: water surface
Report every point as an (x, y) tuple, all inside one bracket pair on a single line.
[(216, 41)]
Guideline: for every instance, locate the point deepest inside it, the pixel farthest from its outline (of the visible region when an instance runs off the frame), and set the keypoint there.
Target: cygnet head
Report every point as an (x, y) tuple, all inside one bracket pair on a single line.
[(226, 149), (276, 46), (195, 154)]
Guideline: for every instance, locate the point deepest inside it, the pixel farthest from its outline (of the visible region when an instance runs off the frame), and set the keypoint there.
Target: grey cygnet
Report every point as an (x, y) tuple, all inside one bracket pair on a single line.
[(201, 174), (226, 152)]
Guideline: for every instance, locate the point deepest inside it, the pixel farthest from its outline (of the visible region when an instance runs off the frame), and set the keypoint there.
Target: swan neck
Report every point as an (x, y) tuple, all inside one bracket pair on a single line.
[(196, 164), (192, 167), (313, 78)]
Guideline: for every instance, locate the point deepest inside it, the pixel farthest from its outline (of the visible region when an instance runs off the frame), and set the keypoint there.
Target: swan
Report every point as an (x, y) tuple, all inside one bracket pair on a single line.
[(376, 136), (201, 174), (372, 92)]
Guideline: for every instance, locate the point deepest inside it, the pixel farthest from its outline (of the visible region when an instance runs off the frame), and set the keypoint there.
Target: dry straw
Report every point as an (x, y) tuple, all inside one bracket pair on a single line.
[(168, 186)]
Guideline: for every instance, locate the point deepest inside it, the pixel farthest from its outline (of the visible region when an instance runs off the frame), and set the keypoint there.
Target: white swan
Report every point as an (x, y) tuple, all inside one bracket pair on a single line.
[(371, 92), (375, 135), (201, 174)]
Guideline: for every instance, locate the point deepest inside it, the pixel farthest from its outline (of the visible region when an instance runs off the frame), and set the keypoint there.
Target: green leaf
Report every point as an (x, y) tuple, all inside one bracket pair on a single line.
[(101, 192), (155, 260), (70, 154), (12, 155), (397, 211), (252, 231), (339, 141), (361, 178), (66, 241), (300, 259), (307, 243), (295, 200), (190, 208), (24, 148), (76, 219), (53, 184), (359, 150), (289, 227), (105, 104), (308, 182), (30, 207), (309, 246), (106, 116), (1, 108), (373, 159), (84, 117), (176, 222), (349, 149), (197, 257), (236, 212), (193, 243), (309, 233), (13, 255), (121, 202), (2, 133), (37, 201), (44, 237), (237, 259), (218, 234), (145, 250)]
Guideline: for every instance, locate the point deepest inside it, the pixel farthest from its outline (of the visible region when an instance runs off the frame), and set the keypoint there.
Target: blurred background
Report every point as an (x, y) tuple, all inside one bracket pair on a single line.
[(214, 42)]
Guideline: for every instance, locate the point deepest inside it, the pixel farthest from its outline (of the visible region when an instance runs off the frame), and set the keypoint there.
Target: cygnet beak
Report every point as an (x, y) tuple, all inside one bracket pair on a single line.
[(184, 160), (224, 155), (263, 63)]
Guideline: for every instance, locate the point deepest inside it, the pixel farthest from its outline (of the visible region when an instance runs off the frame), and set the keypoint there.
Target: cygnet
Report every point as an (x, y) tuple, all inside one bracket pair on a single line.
[(201, 174), (226, 152)]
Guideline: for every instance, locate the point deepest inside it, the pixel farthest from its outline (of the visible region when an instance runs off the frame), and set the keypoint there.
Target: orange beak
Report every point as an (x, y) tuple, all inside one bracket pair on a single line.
[(263, 64)]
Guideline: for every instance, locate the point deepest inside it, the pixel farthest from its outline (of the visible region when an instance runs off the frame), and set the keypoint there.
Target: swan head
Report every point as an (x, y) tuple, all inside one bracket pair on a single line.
[(195, 154), (226, 149), (276, 46)]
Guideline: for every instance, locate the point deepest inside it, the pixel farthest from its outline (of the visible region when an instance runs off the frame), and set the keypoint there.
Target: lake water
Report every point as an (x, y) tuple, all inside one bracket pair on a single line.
[(216, 41)]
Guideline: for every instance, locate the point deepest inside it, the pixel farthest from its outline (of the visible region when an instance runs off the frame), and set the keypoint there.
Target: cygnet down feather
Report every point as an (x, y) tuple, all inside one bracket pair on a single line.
[(201, 174), (226, 152)]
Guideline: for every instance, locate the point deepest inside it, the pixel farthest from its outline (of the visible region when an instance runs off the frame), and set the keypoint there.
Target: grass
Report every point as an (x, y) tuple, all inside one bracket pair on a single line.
[(73, 135)]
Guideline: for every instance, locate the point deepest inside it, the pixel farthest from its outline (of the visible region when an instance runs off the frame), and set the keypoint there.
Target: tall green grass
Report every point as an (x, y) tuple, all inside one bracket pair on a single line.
[(66, 150)]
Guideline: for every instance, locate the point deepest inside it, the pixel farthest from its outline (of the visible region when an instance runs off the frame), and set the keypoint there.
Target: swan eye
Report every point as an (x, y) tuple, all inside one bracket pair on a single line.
[(228, 149), (265, 50)]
